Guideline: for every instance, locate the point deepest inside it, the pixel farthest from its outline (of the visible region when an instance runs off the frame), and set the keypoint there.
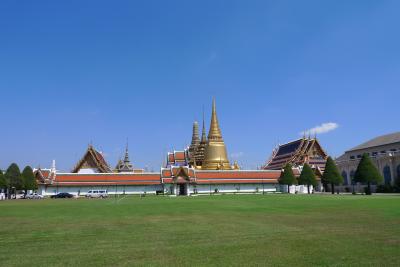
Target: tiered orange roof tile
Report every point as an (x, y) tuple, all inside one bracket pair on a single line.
[(107, 179)]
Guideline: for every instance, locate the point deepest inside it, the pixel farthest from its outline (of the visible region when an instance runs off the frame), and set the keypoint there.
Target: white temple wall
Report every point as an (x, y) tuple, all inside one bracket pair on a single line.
[(233, 188), (82, 190), (151, 189)]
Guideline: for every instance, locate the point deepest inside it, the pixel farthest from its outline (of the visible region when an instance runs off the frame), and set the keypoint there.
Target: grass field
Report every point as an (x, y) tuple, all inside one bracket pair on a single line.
[(291, 230)]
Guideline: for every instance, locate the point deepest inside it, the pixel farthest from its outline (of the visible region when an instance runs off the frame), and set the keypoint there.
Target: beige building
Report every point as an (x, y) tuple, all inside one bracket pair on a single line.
[(385, 153)]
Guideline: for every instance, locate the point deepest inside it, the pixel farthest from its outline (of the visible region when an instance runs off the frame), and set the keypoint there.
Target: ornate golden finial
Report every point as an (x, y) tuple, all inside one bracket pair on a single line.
[(236, 165), (215, 153)]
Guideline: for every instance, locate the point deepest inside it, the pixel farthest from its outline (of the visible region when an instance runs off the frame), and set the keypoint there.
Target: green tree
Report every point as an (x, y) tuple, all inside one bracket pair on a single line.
[(3, 181), (13, 178), (287, 177), (307, 177), (28, 178), (367, 173), (331, 174)]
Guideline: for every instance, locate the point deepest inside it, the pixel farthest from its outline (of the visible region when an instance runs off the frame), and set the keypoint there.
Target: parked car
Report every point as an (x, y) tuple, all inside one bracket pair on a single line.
[(33, 196), (63, 195), (97, 194)]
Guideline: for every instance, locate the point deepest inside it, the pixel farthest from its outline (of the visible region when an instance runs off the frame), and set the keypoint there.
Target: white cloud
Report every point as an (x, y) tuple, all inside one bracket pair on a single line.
[(237, 155), (323, 128)]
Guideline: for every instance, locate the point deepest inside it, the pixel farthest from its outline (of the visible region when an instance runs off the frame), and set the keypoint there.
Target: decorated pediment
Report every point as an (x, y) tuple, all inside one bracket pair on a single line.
[(181, 175), (92, 162), (317, 151)]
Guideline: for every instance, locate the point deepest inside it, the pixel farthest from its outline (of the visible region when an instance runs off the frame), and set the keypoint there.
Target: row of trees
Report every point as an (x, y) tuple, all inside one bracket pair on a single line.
[(307, 177), (366, 173), (13, 179)]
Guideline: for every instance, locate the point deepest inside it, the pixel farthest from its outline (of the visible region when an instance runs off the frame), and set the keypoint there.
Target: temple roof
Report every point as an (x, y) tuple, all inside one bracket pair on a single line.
[(171, 174), (92, 159), (125, 165), (288, 148), (68, 179), (177, 158), (298, 152), (43, 175)]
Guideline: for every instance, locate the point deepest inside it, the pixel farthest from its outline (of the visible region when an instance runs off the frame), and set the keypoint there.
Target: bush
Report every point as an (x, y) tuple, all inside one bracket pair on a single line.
[(367, 190), (396, 187), (384, 188)]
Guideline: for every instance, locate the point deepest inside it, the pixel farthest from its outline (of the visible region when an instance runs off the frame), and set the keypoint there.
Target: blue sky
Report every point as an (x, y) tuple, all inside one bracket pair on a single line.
[(75, 72)]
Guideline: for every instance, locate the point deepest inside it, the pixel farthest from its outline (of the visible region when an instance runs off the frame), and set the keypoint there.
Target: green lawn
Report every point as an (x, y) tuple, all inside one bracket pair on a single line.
[(287, 230)]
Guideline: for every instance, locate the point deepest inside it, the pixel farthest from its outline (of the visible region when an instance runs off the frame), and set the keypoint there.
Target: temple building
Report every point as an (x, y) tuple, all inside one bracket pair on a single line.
[(202, 168), (93, 172), (297, 153), (187, 172), (384, 152)]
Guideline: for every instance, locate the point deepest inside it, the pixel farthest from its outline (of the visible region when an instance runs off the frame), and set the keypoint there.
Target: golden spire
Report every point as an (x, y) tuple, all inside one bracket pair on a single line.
[(215, 153), (215, 131)]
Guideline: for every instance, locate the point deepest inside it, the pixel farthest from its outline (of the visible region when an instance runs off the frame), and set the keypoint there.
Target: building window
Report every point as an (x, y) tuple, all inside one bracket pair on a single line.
[(359, 156), (352, 157), (344, 175), (374, 154), (383, 152), (387, 175)]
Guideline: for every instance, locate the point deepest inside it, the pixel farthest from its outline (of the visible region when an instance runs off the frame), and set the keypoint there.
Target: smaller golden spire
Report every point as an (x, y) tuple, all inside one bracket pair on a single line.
[(200, 151), (203, 132), (195, 134)]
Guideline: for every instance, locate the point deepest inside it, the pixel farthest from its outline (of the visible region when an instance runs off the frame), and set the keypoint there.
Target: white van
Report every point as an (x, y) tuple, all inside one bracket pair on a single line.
[(97, 194)]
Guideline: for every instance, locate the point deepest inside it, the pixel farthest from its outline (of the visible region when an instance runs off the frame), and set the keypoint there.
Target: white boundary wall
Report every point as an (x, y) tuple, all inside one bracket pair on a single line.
[(233, 188), (152, 189), (82, 190), (296, 189)]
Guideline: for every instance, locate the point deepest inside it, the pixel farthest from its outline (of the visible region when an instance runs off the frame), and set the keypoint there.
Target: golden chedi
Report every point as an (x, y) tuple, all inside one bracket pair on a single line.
[(215, 153)]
